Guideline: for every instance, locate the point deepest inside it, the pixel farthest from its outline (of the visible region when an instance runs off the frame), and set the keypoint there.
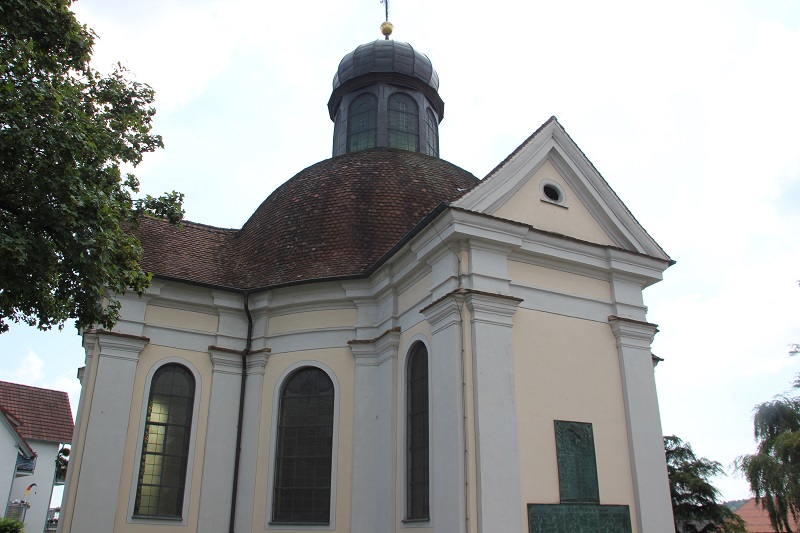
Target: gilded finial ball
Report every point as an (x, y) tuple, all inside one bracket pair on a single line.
[(386, 29)]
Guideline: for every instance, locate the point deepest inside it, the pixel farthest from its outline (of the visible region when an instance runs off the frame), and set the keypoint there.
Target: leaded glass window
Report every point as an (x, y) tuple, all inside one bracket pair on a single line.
[(403, 122), (432, 137), (303, 454), (362, 123), (165, 448), (417, 442)]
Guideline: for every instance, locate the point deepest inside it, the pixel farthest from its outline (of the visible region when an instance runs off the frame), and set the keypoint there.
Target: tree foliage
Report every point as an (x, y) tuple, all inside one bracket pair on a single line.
[(9, 525), (773, 472), (695, 501), (66, 209)]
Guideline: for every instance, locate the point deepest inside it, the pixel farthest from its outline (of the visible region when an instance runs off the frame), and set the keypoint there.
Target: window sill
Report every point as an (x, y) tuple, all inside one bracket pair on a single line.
[(157, 517), (412, 523), (301, 524), (157, 520), (562, 206)]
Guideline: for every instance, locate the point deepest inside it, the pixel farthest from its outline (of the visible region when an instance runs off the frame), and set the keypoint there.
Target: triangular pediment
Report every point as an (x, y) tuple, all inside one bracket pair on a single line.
[(549, 184)]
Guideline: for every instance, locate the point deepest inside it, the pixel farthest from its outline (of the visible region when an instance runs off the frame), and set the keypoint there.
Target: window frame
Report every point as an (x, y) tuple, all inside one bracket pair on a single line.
[(187, 490), (276, 397), (418, 340)]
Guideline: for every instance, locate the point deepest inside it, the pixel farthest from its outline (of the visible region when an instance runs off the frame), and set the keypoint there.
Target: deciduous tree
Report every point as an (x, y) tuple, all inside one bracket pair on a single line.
[(66, 207)]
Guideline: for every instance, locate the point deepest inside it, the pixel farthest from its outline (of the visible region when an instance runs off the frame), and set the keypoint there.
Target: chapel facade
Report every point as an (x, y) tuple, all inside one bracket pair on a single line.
[(388, 344)]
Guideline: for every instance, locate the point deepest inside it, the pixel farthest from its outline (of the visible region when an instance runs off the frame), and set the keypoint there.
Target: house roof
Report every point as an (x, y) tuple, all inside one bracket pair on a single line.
[(9, 421), (44, 414), (335, 219), (757, 519)]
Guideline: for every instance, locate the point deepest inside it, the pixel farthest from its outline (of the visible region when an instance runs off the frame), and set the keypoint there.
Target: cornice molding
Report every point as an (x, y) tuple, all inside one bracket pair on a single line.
[(256, 362), (120, 345), (225, 361), (373, 352), (497, 309), (632, 333)]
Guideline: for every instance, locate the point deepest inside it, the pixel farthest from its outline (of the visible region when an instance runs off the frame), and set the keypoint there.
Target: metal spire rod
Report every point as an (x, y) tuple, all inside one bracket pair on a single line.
[(386, 5)]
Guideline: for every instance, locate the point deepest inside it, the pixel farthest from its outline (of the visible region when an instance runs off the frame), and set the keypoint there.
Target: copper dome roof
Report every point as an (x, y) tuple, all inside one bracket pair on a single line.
[(386, 56), (385, 61), (339, 218)]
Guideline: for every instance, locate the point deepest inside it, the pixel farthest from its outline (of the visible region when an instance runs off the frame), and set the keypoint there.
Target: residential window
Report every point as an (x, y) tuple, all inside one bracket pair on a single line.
[(165, 448), (403, 122), (362, 123), (417, 439), (303, 454)]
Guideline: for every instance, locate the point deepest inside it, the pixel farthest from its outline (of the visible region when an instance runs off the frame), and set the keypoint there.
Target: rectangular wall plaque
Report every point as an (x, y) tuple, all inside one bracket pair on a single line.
[(577, 466), (577, 518)]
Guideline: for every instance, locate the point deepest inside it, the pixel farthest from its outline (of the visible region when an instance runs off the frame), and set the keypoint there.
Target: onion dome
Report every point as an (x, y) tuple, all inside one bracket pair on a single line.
[(384, 57), (386, 93)]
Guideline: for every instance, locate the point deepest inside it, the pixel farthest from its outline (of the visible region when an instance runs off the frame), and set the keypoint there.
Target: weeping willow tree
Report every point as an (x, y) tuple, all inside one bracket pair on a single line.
[(774, 470)]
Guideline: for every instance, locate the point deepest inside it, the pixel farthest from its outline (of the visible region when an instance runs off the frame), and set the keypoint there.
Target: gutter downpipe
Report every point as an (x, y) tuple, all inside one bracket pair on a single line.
[(248, 345)]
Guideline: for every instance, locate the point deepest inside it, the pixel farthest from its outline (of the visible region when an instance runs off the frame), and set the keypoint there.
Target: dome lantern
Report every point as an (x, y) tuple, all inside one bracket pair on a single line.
[(385, 93)]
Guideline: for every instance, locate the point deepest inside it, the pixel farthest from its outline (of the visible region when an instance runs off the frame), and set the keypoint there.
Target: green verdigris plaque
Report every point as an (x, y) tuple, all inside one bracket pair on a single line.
[(577, 467), (576, 518)]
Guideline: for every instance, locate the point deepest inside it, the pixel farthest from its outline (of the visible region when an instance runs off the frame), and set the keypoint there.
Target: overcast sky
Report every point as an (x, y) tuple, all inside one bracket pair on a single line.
[(689, 109)]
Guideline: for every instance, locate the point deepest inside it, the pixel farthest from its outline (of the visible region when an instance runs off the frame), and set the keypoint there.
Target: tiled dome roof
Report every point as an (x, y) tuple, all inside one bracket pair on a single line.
[(338, 218)]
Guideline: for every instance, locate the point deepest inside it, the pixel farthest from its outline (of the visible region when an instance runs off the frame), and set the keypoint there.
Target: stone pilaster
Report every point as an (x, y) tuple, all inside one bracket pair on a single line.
[(220, 445), (108, 418), (448, 505), (254, 389), (375, 433), (496, 435), (645, 441)]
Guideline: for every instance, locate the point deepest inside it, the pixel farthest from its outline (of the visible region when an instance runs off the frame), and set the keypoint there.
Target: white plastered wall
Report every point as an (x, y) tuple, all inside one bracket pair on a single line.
[(43, 474)]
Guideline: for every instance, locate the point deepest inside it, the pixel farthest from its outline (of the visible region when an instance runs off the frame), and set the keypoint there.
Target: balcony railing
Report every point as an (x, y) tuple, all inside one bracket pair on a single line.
[(51, 523), (25, 467)]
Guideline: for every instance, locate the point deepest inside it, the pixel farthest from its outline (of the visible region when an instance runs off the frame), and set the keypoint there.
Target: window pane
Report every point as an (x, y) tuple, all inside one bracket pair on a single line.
[(304, 447), (165, 447), (403, 122), (432, 137), (362, 123), (417, 471)]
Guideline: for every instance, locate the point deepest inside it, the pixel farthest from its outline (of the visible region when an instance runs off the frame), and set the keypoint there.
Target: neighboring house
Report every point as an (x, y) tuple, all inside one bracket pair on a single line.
[(406, 346), (757, 519), (35, 424)]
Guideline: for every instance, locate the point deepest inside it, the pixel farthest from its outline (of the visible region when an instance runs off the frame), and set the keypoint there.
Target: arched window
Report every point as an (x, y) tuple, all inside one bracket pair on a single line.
[(403, 122), (362, 123), (432, 137), (165, 448), (303, 454), (417, 441)]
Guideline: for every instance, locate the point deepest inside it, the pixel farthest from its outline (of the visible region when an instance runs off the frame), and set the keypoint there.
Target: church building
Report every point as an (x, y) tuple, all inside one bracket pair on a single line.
[(388, 344)]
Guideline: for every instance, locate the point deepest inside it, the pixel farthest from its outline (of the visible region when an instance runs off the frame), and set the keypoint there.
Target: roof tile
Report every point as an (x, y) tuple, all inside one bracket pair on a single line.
[(334, 219), (45, 414)]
